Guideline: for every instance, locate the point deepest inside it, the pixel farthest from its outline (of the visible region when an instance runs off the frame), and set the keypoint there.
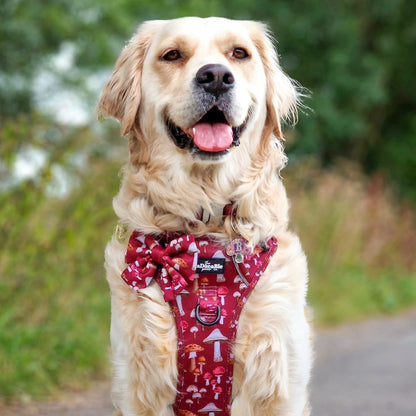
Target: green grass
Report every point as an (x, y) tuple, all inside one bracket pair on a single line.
[(359, 242), (54, 300)]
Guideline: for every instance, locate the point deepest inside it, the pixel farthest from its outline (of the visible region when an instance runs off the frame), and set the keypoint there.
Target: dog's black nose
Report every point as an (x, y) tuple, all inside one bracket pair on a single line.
[(215, 79)]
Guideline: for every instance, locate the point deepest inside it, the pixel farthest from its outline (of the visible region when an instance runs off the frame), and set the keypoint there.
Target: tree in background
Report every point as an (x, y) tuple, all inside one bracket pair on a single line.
[(356, 57), (32, 33)]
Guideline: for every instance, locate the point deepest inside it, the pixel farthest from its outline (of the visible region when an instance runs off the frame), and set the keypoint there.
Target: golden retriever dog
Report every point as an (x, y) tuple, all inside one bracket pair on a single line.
[(202, 102)]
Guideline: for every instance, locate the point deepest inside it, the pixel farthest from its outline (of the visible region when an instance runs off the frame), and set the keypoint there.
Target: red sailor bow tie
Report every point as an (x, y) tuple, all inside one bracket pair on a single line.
[(173, 264)]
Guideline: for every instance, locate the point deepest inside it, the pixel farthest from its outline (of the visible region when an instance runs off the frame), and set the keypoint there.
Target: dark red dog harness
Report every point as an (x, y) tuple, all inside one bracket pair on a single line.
[(206, 285)]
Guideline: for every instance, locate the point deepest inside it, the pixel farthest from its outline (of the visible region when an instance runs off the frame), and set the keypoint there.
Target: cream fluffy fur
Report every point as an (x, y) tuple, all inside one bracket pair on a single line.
[(164, 189)]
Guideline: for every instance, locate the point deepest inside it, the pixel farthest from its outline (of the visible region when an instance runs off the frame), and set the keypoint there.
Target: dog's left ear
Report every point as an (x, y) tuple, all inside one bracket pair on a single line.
[(282, 96), (121, 95)]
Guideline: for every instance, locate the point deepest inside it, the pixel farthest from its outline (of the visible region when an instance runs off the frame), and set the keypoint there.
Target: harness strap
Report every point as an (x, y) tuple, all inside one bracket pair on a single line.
[(206, 312)]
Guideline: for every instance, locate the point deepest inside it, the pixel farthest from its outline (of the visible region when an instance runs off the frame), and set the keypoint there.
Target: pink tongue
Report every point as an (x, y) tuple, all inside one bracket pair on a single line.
[(213, 137)]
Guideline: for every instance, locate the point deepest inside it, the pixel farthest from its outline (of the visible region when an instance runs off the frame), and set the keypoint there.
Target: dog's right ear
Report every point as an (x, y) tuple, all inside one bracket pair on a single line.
[(283, 95), (121, 95)]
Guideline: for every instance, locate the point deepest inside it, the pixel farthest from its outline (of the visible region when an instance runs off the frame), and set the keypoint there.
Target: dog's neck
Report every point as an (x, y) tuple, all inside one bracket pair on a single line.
[(216, 211), (169, 195)]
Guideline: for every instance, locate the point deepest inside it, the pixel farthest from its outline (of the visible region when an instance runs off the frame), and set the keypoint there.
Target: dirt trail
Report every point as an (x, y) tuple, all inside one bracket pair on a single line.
[(93, 402), (367, 369), (362, 369)]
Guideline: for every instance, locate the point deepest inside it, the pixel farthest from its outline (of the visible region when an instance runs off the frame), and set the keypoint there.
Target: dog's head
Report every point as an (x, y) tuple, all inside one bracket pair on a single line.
[(200, 86)]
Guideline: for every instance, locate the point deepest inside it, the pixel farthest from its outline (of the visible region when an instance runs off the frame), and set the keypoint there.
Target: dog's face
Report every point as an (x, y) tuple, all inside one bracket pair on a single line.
[(199, 86), (209, 83)]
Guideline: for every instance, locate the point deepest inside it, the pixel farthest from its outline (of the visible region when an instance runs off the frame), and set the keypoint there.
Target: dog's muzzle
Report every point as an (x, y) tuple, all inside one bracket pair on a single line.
[(213, 135)]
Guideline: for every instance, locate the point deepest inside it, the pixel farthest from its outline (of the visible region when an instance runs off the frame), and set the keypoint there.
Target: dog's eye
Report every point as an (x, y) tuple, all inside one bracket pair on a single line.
[(172, 55), (240, 53)]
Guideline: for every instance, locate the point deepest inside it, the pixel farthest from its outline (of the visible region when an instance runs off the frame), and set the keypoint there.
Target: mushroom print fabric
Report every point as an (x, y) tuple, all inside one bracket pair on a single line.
[(206, 290)]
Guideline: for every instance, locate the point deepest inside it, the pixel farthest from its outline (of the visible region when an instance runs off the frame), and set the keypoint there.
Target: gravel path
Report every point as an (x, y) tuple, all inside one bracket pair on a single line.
[(362, 369)]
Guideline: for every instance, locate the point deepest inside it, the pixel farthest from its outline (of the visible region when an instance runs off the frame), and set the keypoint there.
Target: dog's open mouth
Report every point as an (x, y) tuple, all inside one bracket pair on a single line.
[(212, 134)]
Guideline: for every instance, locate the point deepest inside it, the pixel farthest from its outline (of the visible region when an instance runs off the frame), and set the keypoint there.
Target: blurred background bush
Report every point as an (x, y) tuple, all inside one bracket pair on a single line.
[(351, 174)]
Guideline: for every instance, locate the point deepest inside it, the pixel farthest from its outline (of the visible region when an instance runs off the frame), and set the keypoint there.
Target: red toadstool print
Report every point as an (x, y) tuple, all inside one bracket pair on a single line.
[(207, 377), (218, 372), (184, 325), (204, 281), (217, 391), (183, 412), (222, 293), (201, 361), (197, 372), (192, 349), (224, 314)]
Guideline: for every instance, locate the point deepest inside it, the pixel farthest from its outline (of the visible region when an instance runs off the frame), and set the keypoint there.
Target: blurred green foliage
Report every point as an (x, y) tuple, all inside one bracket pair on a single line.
[(356, 57), (359, 241), (54, 300)]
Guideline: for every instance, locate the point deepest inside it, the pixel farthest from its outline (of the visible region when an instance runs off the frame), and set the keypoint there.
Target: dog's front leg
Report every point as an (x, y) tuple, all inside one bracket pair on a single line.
[(273, 345), (143, 340), (143, 343), (275, 374)]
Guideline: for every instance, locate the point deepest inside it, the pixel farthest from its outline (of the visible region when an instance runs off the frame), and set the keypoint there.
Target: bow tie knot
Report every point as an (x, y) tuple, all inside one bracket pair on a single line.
[(173, 264)]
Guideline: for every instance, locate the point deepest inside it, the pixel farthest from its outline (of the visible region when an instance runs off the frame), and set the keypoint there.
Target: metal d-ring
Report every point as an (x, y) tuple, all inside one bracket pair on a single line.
[(198, 318)]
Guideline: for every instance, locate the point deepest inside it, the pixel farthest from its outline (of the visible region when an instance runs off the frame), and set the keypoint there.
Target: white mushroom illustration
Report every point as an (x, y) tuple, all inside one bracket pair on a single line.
[(192, 389), (194, 330), (195, 285), (219, 255), (179, 301), (197, 396), (237, 279), (193, 249), (210, 408), (203, 244), (224, 314), (216, 337)]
